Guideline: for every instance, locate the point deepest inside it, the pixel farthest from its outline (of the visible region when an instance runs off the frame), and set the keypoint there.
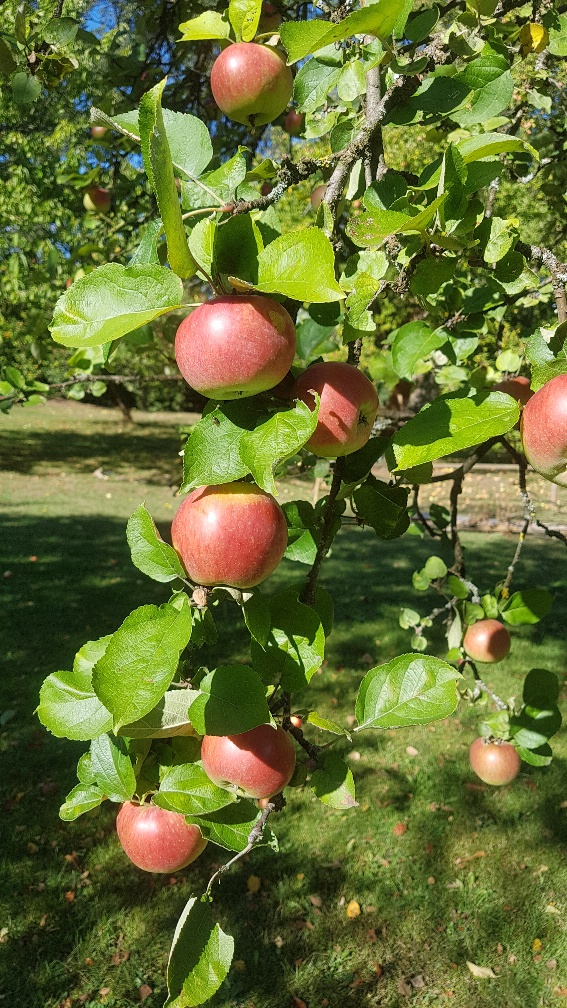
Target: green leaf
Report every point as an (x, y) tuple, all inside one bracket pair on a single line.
[(15, 377), (301, 38), (212, 453), (435, 568), (491, 145), (168, 719), (303, 532), (451, 423), (141, 659), (409, 690), (527, 606), (112, 768), (542, 756), (81, 799), (501, 239), (324, 724), (237, 245), (147, 252), (296, 645), (299, 265), (69, 707), (188, 138), (352, 81), (373, 228), (7, 62), (25, 88), (408, 618), (333, 783), (430, 275), (413, 342), (541, 688), (244, 16), (187, 789), (150, 553), (231, 826), (420, 26), (544, 364), (201, 242), (557, 25), (310, 336), (534, 726), (231, 700), (314, 81), (489, 604), (200, 957), (222, 183), (383, 507), (60, 31), (209, 25), (357, 465), (113, 300), (276, 440), (257, 617), (159, 169)]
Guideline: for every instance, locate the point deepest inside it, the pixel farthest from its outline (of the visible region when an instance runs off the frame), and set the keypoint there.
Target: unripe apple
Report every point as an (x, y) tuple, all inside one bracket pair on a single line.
[(270, 20), (251, 83), (317, 196), (234, 534), (95, 199), (487, 641), (349, 404), (293, 123), (156, 839), (544, 430), (235, 346), (495, 763), (260, 762), (97, 132)]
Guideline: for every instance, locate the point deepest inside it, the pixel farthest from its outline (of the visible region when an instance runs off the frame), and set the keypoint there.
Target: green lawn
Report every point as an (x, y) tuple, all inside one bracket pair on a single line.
[(477, 875)]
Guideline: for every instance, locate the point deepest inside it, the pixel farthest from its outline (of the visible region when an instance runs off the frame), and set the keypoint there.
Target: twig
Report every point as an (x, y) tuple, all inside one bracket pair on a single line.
[(521, 540), (275, 804), (289, 174), (498, 701), (308, 594), (556, 269), (433, 532)]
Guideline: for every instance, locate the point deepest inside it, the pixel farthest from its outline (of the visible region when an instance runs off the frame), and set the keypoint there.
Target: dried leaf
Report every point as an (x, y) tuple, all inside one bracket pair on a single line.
[(298, 1003), (417, 981), (70, 896), (460, 861), (537, 945), (399, 829), (353, 909), (144, 992), (482, 972), (412, 751), (404, 987), (316, 901), (550, 908), (253, 883)]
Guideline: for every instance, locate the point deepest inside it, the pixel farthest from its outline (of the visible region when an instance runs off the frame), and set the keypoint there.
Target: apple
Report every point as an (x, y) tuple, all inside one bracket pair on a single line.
[(349, 404), (487, 641), (68, 282), (266, 188), (157, 840), (293, 123), (494, 762), (296, 721), (251, 83), (234, 534), (260, 762), (97, 132), (95, 199), (544, 430), (270, 20), (235, 346), (518, 388), (317, 196)]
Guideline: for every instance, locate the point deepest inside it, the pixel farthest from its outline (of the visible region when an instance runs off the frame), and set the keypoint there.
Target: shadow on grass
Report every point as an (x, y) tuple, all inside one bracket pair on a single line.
[(81, 587)]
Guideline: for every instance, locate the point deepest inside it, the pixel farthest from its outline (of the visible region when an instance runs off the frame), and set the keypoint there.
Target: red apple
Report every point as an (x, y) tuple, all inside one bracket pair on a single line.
[(296, 721), (349, 404), (317, 196), (260, 762), (95, 199), (293, 123), (487, 641), (234, 534), (251, 83), (494, 762), (266, 188), (518, 388), (97, 132), (235, 346), (270, 20), (68, 282), (544, 430), (157, 840)]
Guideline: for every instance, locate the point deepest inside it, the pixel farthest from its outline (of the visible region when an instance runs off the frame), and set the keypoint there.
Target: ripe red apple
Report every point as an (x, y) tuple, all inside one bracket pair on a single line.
[(266, 188), (270, 20), (293, 123), (544, 430), (158, 840), (260, 762), (487, 641), (349, 404), (95, 199), (317, 196), (234, 534), (97, 132), (494, 762), (296, 721), (251, 83), (235, 346), (518, 388)]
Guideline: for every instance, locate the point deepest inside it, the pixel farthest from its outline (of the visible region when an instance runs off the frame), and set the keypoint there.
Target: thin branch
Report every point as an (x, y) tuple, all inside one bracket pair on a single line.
[(433, 532), (290, 174), (512, 567), (498, 701), (275, 804), (308, 594)]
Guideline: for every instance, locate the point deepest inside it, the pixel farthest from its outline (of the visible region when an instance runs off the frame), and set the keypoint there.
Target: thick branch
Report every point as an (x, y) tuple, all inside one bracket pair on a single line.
[(289, 174)]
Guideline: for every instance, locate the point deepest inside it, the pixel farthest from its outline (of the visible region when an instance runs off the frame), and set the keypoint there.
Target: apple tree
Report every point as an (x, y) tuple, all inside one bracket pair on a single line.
[(196, 755)]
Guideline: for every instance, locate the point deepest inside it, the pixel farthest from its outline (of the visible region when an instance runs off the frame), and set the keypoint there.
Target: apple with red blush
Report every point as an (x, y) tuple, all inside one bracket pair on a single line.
[(487, 641), (260, 762), (235, 346), (251, 83), (294, 123), (96, 200), (544, 430), (495, 762), (348, 407), (156, 839)]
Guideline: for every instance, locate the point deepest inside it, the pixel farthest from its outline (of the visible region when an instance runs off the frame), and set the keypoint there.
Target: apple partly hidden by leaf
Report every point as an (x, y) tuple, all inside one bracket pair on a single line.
[(157, 840), (495, 763), (294, 122), (251, 83), (260, 762), (96, 199), (270, 20), (349, 404), (487, 641), (544, 430), (234, 534), (317, 196), (518, 388), (235, 346), (97, 132)]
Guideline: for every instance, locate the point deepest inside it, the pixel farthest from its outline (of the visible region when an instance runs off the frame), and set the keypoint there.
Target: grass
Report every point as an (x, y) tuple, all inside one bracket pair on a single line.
[(478, 874)]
